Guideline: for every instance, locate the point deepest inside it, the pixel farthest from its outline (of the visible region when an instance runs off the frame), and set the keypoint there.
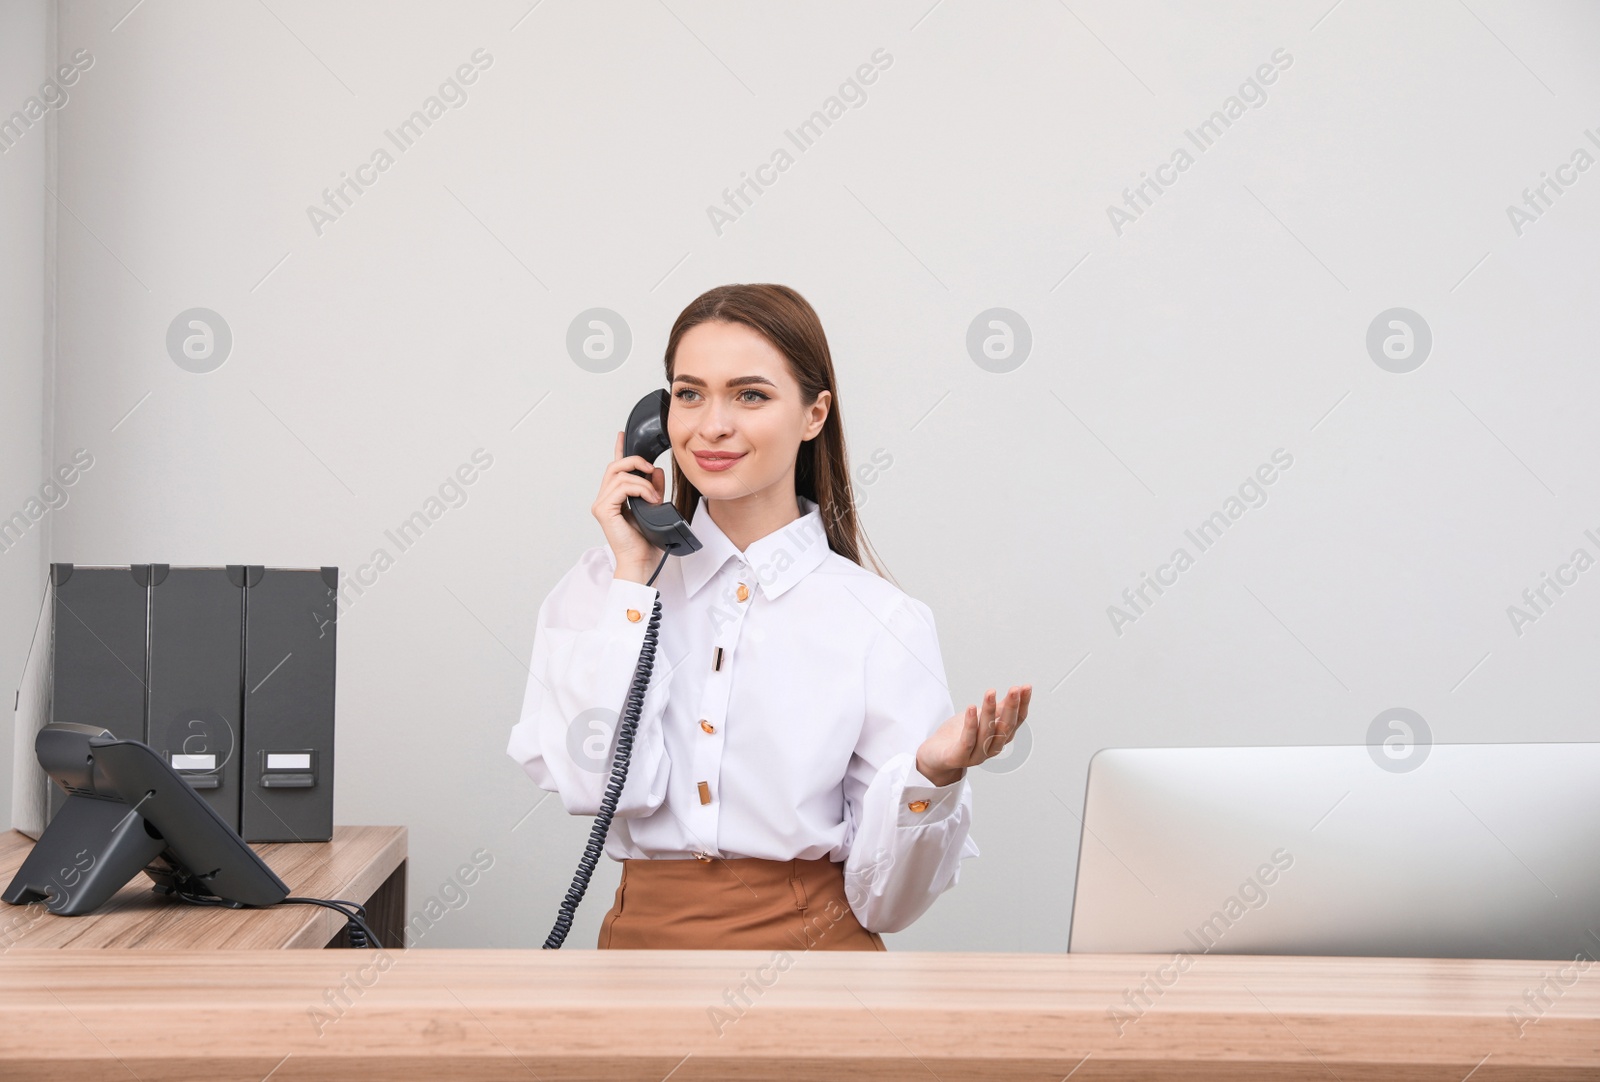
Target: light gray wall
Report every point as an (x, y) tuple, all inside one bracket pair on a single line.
[(1168, 362), (27, 54)]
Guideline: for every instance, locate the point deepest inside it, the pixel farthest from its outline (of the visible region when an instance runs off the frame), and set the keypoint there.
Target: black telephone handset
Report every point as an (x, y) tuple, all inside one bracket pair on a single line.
[(663, 527), (646, 436)]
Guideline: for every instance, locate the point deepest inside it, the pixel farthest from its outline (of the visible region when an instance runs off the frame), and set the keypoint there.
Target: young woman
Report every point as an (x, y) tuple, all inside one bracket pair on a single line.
[(798, 775)]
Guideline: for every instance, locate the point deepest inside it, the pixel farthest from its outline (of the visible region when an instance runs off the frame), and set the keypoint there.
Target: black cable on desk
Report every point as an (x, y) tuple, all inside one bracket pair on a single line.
[(361, 934)]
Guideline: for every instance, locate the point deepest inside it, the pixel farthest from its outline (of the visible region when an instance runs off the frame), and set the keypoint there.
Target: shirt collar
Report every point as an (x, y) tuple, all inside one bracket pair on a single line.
[(777, 561)]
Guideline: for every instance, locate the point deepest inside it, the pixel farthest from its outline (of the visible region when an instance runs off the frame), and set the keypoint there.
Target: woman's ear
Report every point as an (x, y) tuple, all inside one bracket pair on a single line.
[(818, 411)]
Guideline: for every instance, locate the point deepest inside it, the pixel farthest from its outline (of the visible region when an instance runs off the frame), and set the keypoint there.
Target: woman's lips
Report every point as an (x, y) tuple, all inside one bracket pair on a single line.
[(716, 463)]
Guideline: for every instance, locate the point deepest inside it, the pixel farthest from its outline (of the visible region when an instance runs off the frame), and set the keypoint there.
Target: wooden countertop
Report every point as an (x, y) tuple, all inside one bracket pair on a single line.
[(865, 1016), (352, 866)]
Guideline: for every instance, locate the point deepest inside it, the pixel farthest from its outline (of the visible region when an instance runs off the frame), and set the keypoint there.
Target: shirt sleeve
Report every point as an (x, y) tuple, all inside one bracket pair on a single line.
[(908, 836), (585, 653)]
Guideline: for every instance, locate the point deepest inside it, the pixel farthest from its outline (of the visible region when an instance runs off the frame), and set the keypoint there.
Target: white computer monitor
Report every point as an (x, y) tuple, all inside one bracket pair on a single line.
[(1465, 851)]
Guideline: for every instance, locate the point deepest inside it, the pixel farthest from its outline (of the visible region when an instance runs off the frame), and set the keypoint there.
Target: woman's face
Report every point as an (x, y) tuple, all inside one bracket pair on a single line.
[(736, 420)]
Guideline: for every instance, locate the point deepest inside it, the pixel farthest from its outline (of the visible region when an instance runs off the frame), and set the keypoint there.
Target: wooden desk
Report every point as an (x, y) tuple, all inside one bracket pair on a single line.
[(361, 864), (863, 1016)]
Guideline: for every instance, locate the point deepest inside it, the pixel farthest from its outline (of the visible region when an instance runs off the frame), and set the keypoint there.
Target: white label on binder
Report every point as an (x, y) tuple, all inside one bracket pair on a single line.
[(285, 761)]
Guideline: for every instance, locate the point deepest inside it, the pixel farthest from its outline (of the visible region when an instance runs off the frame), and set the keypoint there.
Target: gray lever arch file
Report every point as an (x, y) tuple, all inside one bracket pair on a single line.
[(196, 657), (101, 639), (288, 704)]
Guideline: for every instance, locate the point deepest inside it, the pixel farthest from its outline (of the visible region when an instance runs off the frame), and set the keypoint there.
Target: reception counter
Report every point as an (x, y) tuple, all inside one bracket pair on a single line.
[(653, 1015)]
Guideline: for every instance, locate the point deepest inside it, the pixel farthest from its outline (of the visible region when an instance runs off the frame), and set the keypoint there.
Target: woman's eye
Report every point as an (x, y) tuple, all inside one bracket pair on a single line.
[(686, 391)]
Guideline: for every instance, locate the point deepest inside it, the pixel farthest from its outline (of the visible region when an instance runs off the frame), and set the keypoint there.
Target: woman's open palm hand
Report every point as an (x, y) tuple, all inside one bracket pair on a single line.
[(968, 738)]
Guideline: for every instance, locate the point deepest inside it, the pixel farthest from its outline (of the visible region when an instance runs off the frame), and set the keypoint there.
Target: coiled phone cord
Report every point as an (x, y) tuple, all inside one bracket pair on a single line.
[(619, 775)]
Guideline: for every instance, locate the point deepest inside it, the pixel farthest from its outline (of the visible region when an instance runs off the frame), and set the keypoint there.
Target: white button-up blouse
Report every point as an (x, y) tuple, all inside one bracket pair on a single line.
[(791, 690)]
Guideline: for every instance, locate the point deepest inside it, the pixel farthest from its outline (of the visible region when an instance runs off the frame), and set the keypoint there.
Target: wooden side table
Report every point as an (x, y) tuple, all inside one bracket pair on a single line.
[(361, 864)]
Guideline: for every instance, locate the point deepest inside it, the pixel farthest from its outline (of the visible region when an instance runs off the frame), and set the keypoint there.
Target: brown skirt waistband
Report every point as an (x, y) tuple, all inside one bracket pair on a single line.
[(738, 903)]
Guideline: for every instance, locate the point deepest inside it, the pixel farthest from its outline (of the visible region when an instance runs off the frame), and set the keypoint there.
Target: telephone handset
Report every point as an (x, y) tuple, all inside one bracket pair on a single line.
[(663, 527), (646, 436)]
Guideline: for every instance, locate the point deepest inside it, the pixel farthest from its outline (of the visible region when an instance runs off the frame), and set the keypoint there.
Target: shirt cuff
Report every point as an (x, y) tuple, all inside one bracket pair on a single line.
[(628, 606), (923, 803)]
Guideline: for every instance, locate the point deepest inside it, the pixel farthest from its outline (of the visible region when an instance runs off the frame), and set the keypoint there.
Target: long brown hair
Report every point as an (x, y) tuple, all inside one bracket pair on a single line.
[(822, 468)]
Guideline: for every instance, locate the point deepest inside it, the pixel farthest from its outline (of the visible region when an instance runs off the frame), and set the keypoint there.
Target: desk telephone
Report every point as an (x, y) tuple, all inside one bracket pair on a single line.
[(662, 526)]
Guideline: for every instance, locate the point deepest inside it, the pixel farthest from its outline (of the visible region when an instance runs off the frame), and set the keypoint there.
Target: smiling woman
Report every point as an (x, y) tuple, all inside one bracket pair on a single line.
[(797, 777), (735, 403)]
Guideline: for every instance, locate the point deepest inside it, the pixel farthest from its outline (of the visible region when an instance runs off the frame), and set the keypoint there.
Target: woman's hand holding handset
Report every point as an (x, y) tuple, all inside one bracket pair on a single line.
[(636, 557), (968, 738)]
